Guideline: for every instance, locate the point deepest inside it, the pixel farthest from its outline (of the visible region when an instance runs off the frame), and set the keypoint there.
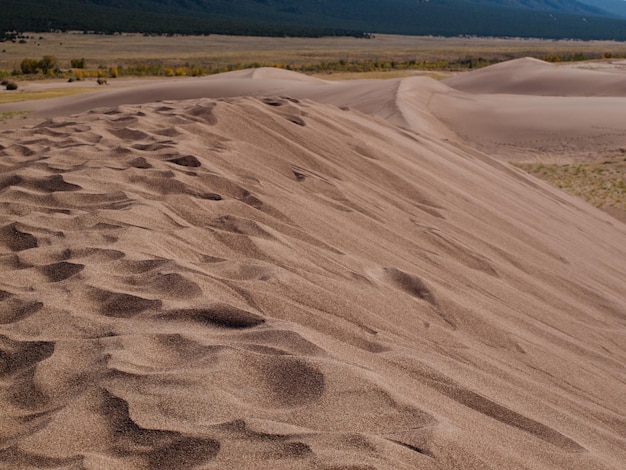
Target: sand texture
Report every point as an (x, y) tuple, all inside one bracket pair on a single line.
[(263, 270), (527, 109)]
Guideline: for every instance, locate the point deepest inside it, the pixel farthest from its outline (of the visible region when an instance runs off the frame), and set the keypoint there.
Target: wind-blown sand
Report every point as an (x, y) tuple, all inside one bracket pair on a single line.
[(537, 109), (530, 76), (264, 270)]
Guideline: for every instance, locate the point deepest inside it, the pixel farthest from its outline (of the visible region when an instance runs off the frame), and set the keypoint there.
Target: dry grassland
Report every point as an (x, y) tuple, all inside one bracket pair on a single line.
[(221, 51), (602, 184), (14, 97)]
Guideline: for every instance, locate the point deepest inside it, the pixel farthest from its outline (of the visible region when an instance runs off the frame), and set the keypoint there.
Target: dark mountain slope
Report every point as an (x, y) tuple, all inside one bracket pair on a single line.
[(529, 18)]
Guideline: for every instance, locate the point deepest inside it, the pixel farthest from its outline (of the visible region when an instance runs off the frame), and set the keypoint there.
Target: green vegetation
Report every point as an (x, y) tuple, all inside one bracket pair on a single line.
[(602, 184), (25, 95), (78, 63), (383, 65), (32, 68), (313, 18), (80, 56), (580, 56), (6, 115), (47, 65), (8, 84), (156, 17)]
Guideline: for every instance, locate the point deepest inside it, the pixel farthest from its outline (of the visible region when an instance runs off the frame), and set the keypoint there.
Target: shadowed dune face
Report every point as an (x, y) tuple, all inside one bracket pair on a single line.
[(277, 283)]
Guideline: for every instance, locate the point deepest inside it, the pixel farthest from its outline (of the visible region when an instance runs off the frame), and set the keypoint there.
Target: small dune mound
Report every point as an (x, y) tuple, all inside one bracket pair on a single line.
[(271, 73), (143, 266), (128, 134), (52, 184), (16, 356), (241, 226), (410, 284), (158, 449), (16, 240), (13, 308), (139, 162), (121, 304), (186, 160), (220, 315), (503, 414), (170, 285), (60, 271), (293, 382), (530, 76), (203, 113)]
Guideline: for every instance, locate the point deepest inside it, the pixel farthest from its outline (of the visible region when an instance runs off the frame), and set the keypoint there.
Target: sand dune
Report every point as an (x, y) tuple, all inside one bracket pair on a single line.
[(262, 270), (527, 109), (511, 127), (501, 109), (530, 76)]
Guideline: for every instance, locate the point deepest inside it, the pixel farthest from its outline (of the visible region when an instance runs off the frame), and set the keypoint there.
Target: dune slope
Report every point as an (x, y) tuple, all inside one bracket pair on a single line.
[(530, 76), (528, 110), (279, 283), (515, 111)]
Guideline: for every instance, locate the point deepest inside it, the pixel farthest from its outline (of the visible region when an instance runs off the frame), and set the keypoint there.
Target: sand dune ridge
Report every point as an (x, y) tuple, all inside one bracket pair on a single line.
[(284, 281)]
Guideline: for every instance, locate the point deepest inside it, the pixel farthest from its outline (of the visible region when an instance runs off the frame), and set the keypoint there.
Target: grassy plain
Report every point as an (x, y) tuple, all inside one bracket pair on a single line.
[(216, 52), (28, 95)]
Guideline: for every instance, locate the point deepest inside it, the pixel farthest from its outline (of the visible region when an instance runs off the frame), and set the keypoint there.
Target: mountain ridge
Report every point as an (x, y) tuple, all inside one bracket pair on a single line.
[(552, 19)]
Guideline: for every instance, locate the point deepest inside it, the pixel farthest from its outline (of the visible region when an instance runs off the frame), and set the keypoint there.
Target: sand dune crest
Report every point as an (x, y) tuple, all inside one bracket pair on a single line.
[(530, 76), (283, 282)]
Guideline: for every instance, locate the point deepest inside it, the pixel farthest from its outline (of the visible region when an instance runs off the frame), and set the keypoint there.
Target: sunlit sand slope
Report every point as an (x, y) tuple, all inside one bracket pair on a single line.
[(279, 283)]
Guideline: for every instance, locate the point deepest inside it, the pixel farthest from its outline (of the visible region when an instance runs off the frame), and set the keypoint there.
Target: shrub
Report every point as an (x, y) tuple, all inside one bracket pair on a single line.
[(47, 65), (78, 63), (11, 86), (28, 66)]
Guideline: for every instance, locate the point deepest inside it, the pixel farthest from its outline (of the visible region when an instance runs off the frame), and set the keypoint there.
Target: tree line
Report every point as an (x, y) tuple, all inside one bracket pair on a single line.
[(48, 66)]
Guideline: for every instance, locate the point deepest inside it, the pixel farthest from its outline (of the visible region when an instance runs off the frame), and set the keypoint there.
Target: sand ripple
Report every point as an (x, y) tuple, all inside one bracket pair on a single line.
[(245, 283)]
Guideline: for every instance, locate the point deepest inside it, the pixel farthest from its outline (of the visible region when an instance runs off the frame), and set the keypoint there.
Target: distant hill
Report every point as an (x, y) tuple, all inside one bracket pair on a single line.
[(523, 18)]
